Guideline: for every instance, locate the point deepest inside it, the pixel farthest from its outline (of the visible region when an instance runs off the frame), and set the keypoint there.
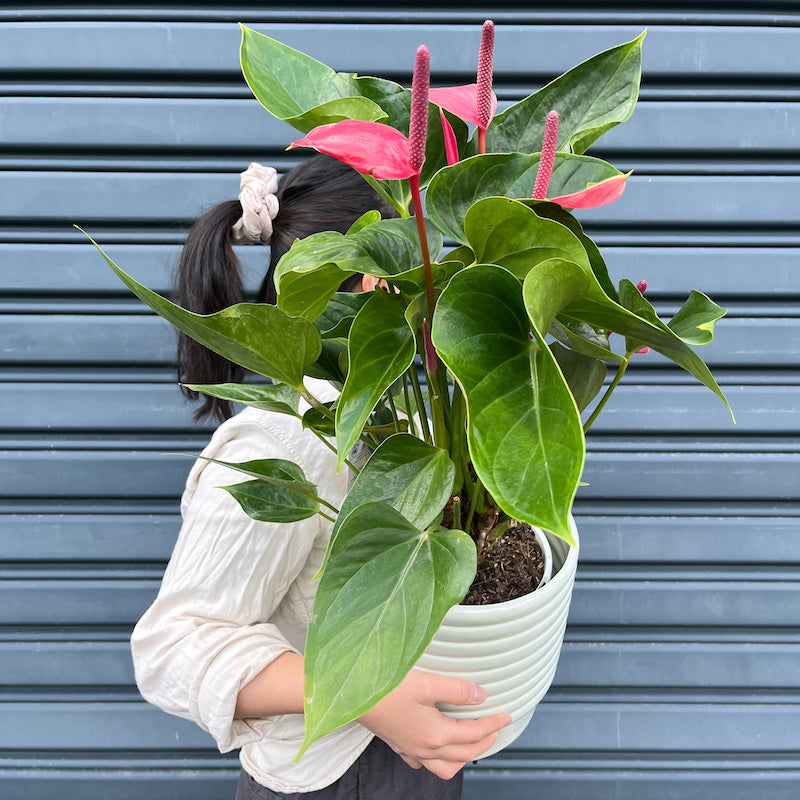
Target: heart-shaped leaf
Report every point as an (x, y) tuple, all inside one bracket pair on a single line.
[(380, 349), (413, 477), (384, 593), (590, 99), (524, 431)]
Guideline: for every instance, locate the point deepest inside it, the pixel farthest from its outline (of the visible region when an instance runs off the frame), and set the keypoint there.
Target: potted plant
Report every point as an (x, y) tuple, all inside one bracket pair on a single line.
[(467, 468)]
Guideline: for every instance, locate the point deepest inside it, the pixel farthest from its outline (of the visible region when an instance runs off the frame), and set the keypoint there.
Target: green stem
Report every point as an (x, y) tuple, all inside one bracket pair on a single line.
[(457, 513), (325, 503), (473, 502), (440, 435), (613, 385), (393, 409), (412, 427), (330, 447), (323, 514), (314, 403), (423, 243), (423, 414)]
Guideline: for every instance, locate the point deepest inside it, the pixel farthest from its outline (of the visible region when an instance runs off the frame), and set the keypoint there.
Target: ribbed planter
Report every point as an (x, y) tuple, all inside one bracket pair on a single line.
[(511, 649)]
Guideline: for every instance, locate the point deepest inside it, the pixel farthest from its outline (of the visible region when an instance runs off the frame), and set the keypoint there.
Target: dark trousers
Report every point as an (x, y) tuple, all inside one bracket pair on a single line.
[(378, 774)]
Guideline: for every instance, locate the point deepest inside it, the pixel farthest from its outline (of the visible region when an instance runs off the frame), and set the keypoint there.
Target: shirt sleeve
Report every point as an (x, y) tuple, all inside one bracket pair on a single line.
[(204, 637)]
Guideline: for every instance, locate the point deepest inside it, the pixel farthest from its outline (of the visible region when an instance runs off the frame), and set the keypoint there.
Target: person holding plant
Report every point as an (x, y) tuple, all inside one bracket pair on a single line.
[(222, 643)]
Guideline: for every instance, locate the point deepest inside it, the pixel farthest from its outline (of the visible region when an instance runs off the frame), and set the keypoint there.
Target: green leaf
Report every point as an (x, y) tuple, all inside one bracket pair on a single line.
[(257, 336), (337, 317), (590, 99), (299, 89), (524, 430), (380, 350), (584, 375), (331, 364), (384, 593), (274, 471), (275, 397), (694, 322), (584, 339), (413, 477), (321, 423), (554, 212), (314, 268), (413, 280), (267, 503), (454, 189), (280, 492), (508, 233)]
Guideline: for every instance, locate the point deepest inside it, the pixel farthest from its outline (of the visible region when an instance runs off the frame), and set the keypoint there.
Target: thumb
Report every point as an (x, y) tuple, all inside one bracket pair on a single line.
[(457, 691)]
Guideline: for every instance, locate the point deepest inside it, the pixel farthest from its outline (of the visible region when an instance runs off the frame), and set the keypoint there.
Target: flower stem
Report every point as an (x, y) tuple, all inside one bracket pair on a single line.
[(613, 385), (423, 242), (481, 141), (333, 449)]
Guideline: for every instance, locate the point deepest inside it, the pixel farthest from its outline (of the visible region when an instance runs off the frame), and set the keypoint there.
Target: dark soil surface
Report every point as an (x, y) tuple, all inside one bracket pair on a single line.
[(510, 561)]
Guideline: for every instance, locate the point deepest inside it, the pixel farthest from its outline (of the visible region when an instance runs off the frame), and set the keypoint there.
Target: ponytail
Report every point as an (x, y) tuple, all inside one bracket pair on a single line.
[(320, 194), (208, 279)]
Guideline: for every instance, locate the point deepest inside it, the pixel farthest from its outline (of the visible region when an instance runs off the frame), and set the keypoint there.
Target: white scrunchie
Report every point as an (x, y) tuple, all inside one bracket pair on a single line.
[(259, 205)]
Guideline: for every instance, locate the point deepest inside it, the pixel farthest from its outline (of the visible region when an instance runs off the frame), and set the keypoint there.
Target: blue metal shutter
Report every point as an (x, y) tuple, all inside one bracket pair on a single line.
[(679, 677)]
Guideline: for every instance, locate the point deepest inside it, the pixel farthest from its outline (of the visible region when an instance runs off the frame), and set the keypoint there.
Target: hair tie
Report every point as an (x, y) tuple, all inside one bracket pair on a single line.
[(259, 205)]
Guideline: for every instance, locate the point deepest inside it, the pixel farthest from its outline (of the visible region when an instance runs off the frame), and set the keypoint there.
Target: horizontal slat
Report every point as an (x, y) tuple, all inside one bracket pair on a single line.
[(679, 665), (138, 124), (604, 539), (556, 727), (88, 537), (575, 778), (145, 340), (746, 600), (667, 726), (140, 407), (720, 271), (209, 50), (80, 269), (643, 776), (674, 475), (138, 197)]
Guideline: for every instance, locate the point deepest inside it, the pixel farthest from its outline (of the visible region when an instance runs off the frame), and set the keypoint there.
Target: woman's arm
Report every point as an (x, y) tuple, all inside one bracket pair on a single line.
[(407, 719)]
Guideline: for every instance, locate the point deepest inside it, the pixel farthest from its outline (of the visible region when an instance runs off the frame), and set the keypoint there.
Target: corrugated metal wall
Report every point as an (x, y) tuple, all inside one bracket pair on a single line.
[(681, 670)]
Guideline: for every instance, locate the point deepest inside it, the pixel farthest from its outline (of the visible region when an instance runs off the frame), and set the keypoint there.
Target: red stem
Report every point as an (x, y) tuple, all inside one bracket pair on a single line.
[(423, 241), (481, 140)]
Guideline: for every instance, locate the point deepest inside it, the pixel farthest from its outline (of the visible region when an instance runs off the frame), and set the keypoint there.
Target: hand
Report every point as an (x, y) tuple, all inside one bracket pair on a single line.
[(409, 722)]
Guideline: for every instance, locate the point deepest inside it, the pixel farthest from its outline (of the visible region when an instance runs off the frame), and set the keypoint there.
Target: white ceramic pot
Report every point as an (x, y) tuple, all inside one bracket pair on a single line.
[(511, 649)]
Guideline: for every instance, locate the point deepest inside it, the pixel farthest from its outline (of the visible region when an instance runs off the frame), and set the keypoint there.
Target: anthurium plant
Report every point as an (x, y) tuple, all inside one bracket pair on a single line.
[(472, 381)]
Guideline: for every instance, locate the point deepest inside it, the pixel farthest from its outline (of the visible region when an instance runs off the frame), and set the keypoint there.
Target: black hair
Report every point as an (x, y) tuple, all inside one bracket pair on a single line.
[(320, 194)]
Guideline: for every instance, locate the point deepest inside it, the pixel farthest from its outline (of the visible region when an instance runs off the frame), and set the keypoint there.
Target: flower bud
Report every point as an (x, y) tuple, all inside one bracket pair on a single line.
[(548, 156), (642, 286), (485, 57), (418, 130)]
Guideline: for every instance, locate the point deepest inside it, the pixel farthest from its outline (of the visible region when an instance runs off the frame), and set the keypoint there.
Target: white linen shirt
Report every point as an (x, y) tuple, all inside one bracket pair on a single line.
[(235, 595)]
